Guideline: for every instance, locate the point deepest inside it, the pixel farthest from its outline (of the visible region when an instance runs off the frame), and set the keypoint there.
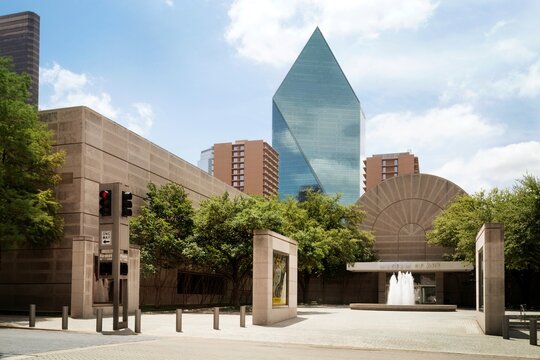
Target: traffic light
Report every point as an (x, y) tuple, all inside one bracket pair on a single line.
[(105, 203), (126, 203)]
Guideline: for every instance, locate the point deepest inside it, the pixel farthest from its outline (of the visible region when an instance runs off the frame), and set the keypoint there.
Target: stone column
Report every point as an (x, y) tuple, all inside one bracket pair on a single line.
[(490, 278), (82, 271), (439, 287), (134, 277), (382, 287)]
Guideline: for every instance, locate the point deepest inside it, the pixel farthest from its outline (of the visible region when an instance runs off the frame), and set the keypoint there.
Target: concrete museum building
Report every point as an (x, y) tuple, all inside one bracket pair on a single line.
[(399, 212), (98, 151)]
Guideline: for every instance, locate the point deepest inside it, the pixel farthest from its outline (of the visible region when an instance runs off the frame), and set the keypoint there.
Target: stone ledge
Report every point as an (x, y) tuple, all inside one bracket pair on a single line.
[(385, 307)]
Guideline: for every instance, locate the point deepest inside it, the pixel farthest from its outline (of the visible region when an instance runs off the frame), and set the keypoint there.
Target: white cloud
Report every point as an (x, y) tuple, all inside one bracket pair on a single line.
[(498, 166), (169, 3), (273, 31), (144, 119), (72, 89), (497, 27), (513, 50), (522, 84), (458, 91), (458, 125)]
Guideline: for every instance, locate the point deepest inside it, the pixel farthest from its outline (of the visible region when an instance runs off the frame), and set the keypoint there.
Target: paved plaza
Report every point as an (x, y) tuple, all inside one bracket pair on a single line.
[(317, 333)]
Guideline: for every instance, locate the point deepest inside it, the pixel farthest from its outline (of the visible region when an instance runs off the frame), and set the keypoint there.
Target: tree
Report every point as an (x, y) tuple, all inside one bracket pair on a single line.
[(518, 209), (521, 217), (224, 231), (457, 226), (327, 233), (162, 230), (28, 208)]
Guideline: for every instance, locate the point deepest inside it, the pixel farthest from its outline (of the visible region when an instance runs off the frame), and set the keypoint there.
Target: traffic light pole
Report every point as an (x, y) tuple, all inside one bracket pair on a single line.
[(114, 250)]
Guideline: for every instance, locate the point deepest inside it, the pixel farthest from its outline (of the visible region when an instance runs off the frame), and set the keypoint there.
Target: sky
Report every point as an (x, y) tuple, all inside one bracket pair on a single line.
[(457, 82)]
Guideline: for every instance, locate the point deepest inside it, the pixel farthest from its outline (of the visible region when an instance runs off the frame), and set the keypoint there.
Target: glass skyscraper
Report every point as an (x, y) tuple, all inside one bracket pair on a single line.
[(316, 126)]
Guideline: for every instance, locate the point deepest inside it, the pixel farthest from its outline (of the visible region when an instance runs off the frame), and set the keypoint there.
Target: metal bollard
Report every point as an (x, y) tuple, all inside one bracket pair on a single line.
[(243, 316), (65, 310), (178, 320), (32, 319), (99, 320), (216, 318), (533, 335), (138, 321), (505, 327)]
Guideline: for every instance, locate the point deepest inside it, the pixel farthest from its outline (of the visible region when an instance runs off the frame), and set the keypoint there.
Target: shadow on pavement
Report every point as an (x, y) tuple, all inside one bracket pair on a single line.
[(121, 332), (313, 313), (288, 322)]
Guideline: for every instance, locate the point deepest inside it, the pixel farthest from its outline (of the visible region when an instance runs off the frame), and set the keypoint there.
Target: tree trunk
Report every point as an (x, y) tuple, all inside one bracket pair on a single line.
[(524, 279), (306, 277), (235, 279)]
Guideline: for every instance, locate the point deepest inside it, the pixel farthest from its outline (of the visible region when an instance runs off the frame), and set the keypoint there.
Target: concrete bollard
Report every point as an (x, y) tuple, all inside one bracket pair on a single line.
[(243, 316), (533, 334), (65, 310), (216, 318), (32, 318), (99, 320), (505, 327), (138, 321), (178, 320)]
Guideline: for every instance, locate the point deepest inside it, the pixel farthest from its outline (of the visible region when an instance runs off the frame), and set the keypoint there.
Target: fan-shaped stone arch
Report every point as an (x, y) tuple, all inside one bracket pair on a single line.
[(400, 210)]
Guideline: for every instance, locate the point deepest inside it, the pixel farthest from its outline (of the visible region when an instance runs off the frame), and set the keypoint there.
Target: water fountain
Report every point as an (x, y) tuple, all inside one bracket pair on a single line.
[(401, 290), (401, 297)]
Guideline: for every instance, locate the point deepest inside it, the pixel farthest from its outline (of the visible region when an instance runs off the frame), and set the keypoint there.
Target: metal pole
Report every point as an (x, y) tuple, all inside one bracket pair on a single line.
[(505, 325), (65, 310), (32, 319), (138, 321), (533, 335), (216, 318), (178, 320), (243, 316), (99, 320)]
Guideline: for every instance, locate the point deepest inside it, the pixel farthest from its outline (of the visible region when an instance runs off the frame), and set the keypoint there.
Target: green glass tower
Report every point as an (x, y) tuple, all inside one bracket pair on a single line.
[(316, 126)]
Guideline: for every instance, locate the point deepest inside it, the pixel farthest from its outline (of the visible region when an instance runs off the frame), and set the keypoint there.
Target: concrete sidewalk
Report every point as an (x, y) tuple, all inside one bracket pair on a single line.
[(336, 327)]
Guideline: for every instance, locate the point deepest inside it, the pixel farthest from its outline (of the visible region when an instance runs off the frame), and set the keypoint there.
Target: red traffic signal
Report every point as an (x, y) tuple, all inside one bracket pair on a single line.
[(105, 203)]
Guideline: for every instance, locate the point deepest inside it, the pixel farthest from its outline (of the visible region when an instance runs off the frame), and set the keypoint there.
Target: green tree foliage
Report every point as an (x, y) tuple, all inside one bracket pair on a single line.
[(219, 236), (327, 233), (521, 217), (223, 234), (518, 209), (28, 208), (163, 229)]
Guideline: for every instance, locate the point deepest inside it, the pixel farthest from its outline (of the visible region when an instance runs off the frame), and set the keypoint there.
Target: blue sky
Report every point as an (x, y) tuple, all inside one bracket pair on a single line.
[(455, 81)]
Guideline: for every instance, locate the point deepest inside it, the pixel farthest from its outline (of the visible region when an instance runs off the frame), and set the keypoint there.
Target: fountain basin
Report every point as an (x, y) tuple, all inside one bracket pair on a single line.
[(418, 307)]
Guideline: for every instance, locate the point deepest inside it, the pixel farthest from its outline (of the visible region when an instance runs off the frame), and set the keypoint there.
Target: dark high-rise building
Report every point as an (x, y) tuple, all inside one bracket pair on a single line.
[(316, 126), (19, 39)]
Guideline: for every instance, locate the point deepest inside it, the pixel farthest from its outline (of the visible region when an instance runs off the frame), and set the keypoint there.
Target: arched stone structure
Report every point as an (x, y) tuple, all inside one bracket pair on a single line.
[(400, 210)]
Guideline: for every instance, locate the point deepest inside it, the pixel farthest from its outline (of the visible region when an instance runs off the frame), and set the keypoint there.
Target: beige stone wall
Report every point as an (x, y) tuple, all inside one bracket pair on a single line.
[(98, 150), (265, 242)]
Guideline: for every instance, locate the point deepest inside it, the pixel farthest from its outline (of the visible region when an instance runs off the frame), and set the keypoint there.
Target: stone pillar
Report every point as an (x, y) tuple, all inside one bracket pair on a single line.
[(134, 278), (490, 278), (266, 243), (382, 287), (439, 287), (82, 272)]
